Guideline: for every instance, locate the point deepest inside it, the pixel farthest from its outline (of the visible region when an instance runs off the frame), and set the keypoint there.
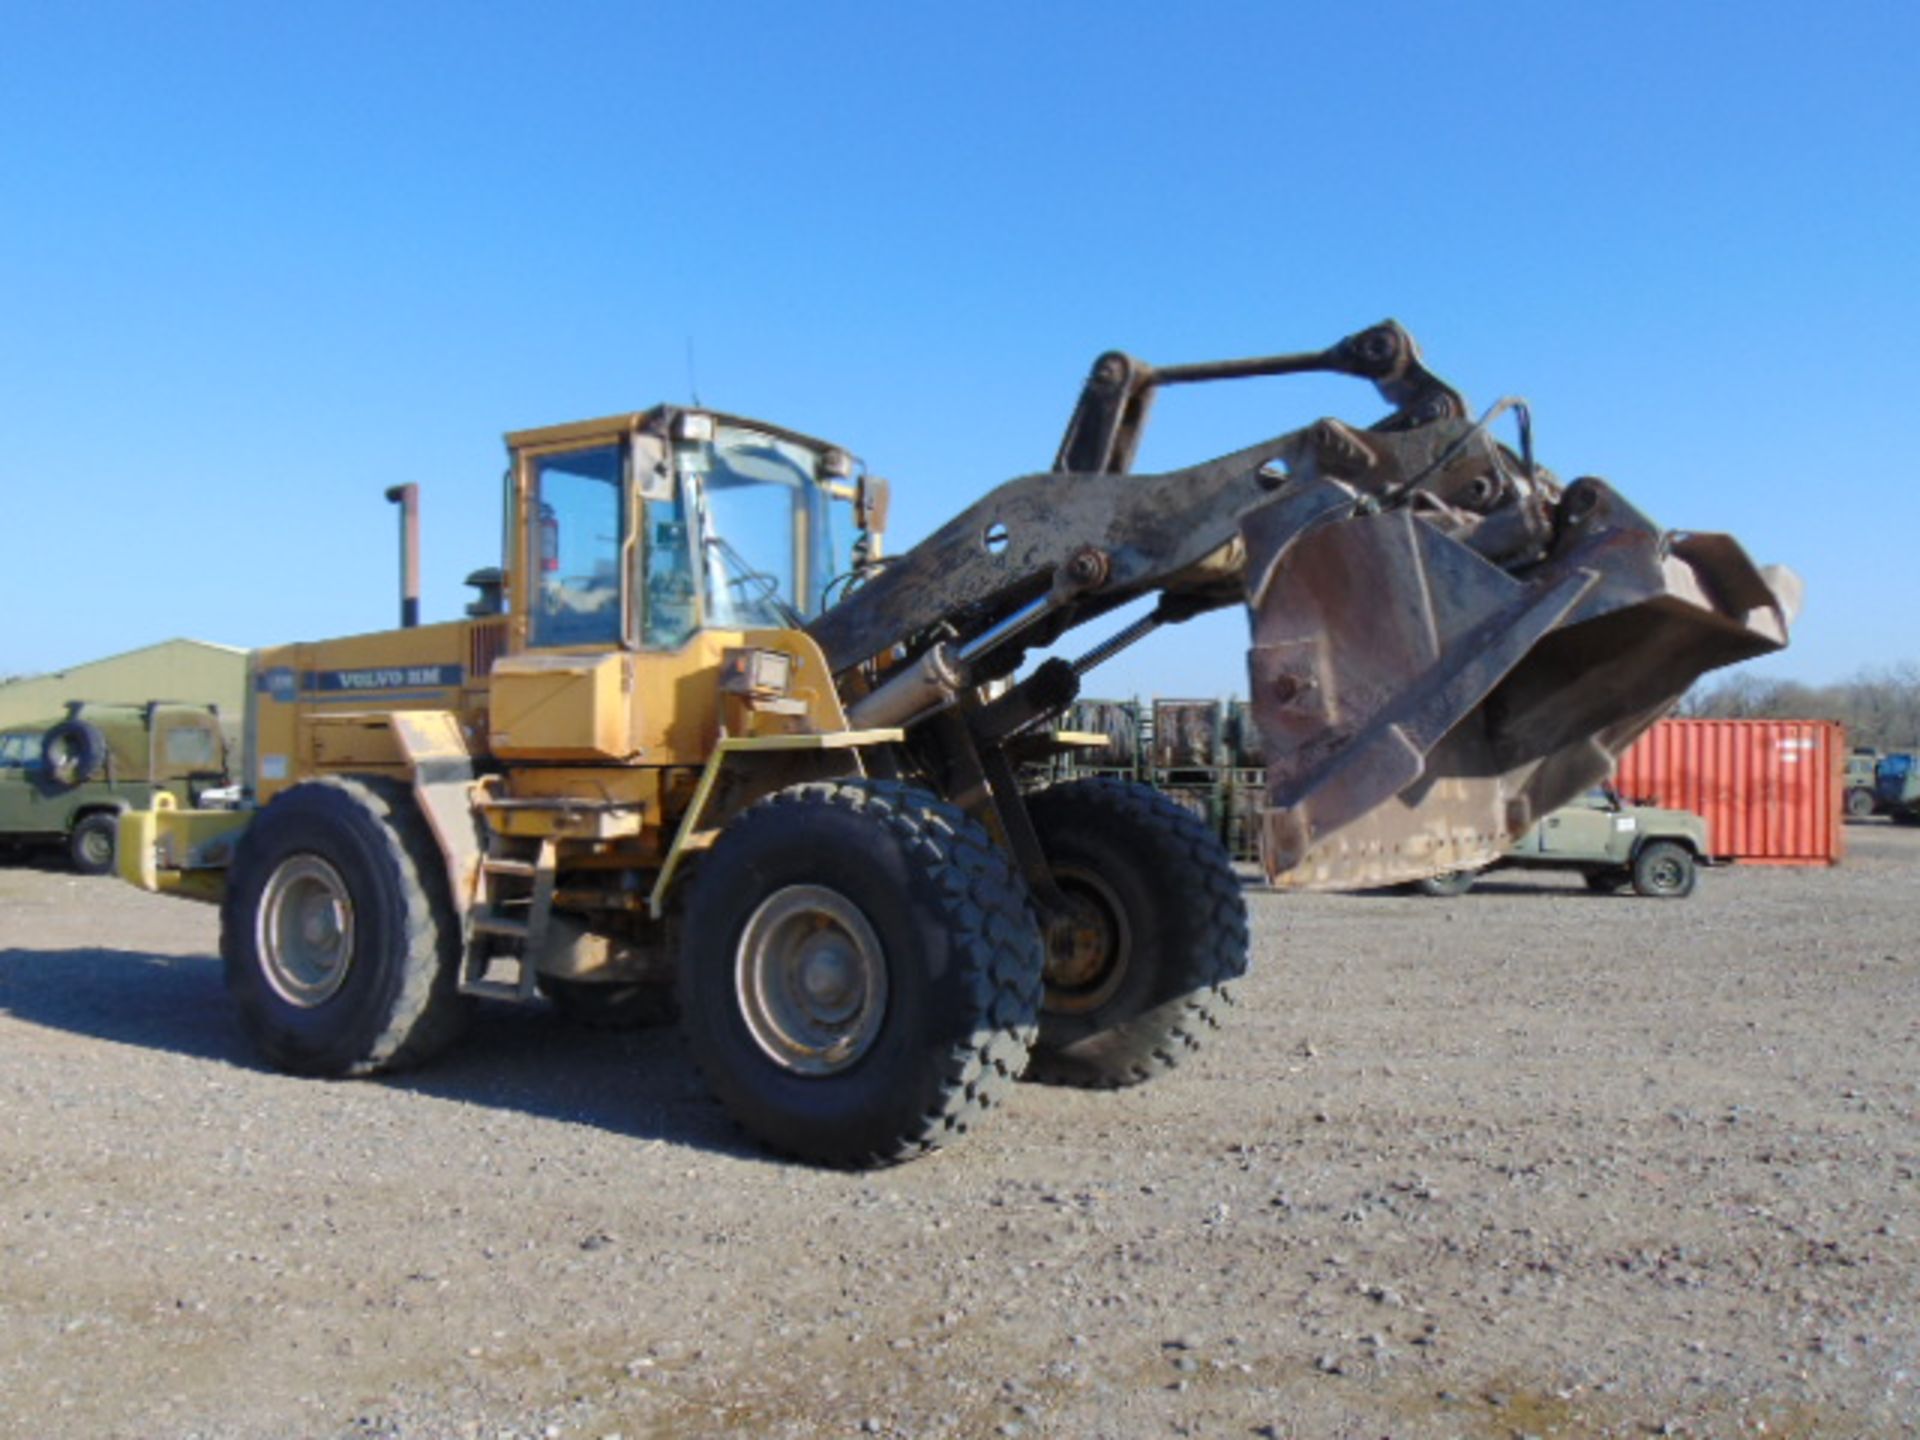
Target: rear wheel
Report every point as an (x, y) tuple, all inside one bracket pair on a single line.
[(1454, 882), (860, 975), (338, 934), (1139, 967), (1663, 870), (91, 844)]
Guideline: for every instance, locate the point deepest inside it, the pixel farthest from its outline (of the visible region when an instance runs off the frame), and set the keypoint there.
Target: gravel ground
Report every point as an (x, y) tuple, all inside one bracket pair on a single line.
[(1528, 1162)]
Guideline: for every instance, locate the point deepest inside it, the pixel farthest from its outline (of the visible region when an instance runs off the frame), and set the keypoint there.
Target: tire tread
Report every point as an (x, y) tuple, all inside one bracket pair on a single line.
[(428, 1013), (996, 936), (1199, 875)]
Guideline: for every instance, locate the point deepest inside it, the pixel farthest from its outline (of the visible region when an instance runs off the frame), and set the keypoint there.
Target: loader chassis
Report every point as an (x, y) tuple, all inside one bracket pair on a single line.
[(704, 738)]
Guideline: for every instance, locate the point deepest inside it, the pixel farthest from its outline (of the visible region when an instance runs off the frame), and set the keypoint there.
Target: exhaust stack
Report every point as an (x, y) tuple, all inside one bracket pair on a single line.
[(407, 497)]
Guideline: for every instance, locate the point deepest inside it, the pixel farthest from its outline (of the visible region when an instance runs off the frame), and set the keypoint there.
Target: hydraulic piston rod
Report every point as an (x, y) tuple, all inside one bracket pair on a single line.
[(1118, 641)]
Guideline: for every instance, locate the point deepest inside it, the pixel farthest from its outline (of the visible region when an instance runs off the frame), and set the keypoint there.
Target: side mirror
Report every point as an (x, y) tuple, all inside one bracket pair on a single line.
[(652, 473), (870, 501)]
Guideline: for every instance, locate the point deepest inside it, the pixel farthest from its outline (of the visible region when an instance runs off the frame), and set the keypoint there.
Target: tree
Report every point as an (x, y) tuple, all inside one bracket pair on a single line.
[(1879, 707)]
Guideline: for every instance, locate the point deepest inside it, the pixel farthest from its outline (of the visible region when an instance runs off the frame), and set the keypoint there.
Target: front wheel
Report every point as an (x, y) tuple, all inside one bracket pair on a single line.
[(1859, 803), (1139, 968), (337, 932), (860, 973), (90, 847), (1454, 882), (1663, 870)]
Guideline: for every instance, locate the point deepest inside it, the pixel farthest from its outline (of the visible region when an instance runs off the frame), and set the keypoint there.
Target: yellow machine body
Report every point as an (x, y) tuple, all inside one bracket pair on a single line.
[(601, 744), (560, 794)]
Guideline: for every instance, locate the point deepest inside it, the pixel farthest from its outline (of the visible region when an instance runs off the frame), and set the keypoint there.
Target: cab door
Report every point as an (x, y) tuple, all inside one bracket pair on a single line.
[(1575, 830), (19, 766), (574, 537)]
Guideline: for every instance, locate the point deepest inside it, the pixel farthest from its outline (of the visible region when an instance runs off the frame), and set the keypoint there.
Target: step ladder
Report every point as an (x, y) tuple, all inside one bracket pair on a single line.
[(507, 921)]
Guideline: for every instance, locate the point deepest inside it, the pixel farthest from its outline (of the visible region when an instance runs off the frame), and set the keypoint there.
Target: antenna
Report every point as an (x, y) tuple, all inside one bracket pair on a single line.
[(693, 378)]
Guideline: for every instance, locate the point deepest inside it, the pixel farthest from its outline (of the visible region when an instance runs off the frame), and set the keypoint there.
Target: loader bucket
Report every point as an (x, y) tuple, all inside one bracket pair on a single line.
[(1421, 706)]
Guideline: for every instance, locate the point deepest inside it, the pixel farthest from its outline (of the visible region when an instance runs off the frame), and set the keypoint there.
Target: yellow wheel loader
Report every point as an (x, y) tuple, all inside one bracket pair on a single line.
[(701, 742)]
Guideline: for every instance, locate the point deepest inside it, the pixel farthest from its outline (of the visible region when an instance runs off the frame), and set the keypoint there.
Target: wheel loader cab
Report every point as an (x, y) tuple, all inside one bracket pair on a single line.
[(647, 557), (662, 525)]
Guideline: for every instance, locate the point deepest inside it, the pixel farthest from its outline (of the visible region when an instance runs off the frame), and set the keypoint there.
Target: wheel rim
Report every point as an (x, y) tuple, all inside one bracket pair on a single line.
[(304, 935), (1088, 946), (1667, 873), (96, 846), (811, 977)]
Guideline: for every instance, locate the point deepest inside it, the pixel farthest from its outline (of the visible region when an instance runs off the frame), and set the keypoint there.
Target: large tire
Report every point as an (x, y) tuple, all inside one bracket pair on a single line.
[(1141, 969), (860, 973), (91, 842), (1663, 870), (340, 940), (1859, 803), (70, 752)]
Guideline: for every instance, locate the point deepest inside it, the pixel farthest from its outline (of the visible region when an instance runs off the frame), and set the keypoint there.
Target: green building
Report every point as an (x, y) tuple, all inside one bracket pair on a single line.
[(189, 670)]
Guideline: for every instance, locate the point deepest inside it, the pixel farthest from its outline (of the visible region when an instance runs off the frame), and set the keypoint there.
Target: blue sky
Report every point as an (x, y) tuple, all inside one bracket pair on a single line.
[(258, 263)]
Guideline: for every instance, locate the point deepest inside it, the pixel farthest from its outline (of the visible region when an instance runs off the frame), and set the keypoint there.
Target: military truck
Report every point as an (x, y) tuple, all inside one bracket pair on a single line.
[(1611, 843), (1862, 765), (65, 782), (1896, 787)]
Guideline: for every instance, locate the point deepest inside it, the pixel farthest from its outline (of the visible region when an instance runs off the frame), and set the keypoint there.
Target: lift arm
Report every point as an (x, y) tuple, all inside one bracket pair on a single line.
[(1446, 641)]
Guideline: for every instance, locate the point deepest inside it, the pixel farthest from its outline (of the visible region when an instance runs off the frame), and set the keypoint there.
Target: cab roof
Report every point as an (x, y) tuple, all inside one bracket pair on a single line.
[(614, 426)]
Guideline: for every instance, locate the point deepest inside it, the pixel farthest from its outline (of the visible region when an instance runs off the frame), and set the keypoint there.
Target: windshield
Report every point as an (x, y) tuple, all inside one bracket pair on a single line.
[(762, 529)]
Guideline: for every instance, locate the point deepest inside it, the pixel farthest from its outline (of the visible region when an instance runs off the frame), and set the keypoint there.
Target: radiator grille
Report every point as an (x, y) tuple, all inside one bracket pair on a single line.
[(486, 644)]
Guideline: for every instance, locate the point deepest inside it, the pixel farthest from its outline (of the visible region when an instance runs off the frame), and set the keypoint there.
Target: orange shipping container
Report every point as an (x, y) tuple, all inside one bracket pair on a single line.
[(1771, 790)]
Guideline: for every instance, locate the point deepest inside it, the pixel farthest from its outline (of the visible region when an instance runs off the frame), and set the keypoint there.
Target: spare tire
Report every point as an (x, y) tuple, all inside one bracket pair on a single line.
[(70, 752)]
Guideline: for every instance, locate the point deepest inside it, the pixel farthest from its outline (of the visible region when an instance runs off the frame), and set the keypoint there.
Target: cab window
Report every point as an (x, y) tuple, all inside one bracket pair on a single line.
[(762, 537), (672, 604), (577, 515), (190, 747)]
